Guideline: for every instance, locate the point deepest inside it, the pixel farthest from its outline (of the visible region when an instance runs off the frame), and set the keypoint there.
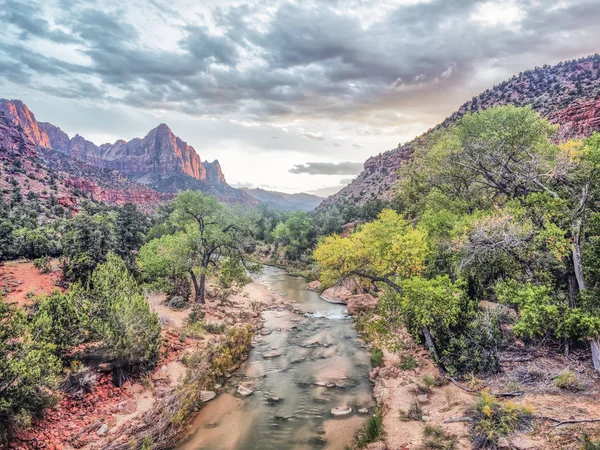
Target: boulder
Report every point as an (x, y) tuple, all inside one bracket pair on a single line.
[(362, 303), (102, 430), (389, 372), (337, 294), (177, 302), (207, 396), (244, 391), (314, 286), (128, 406), (273, 354), (377, 446), (341, 411), (105, 367)]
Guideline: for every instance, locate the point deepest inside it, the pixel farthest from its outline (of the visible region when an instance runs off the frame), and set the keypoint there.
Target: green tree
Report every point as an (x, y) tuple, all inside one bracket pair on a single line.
[(28, 372), (130, 227), (86, 241), (58, 322), (297, 235), (121, 317), (210, 231)]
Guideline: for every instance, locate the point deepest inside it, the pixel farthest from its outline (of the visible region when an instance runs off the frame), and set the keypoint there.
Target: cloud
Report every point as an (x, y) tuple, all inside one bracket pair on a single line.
[(325, 168), (314, 136), (335, 59)]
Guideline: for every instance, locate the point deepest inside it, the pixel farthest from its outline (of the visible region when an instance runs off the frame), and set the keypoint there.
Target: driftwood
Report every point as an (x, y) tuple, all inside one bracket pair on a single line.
[(560, 422), (458, 420), (473, 391)]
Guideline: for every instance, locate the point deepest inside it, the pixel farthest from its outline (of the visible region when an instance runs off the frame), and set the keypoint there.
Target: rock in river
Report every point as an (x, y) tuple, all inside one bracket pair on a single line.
[(207, 396), (244, 391), (338, 294), (341, 411)]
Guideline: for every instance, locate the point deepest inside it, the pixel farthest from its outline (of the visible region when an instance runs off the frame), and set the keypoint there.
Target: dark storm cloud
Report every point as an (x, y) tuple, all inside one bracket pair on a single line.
[(324, 168), (313, 61)]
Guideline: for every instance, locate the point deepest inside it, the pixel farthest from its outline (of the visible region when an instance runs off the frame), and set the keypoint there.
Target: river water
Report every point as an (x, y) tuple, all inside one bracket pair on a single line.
[(313, 361)]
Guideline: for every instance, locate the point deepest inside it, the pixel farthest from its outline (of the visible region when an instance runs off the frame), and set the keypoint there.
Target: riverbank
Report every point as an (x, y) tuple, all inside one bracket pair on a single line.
[(103, 414)]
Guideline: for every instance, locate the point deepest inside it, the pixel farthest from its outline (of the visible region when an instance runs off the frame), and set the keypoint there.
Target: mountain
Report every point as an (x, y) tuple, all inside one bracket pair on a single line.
[(161, 160), (28, 168), (567, 94), (286, 202)]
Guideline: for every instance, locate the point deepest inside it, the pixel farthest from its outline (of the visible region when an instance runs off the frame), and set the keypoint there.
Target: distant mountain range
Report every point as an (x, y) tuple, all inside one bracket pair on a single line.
[(147, 170), (567, 94), (286, 202)]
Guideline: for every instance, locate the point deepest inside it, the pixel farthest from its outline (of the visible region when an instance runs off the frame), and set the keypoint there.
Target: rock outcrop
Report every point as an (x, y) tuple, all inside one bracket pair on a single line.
[(19, 115), (567, 94)]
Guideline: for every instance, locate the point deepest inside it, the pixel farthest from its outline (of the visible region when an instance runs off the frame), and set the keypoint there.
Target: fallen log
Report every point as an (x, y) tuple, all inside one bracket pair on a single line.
[(560, 422)]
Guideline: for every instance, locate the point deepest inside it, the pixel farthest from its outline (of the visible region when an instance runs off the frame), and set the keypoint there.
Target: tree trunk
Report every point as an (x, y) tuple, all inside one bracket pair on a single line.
[(595, 344), (577, 265), (572, 286), (430, 343), (196, 288), (202, 287)]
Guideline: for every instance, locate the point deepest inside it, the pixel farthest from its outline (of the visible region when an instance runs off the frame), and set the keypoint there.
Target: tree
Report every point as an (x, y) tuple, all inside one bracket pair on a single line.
[(130, 227), (121, 317), (297, 235), (28, 372), (58, 322), (209, 232), (391, 251), (86, 241)]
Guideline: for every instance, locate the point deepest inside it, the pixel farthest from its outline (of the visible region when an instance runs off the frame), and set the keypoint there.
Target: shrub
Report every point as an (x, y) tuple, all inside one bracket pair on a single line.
[(588, 444), (408, 363), (56, 321), (121, 317), (435, 438), (415, 412), (492, 420), (371, 431), (567, 380), (376, 357), (28, 372), (42, 264)]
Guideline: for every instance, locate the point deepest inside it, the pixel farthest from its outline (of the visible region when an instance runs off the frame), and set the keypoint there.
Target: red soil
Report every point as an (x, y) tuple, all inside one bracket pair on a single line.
[(18, 278)]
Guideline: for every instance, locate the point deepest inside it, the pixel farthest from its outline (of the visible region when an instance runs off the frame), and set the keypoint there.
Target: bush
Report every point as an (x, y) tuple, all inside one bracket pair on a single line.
[(376, 357), (42, 264), (56, 321), (121, 317), (370, 432), (492, 420), (415, 412), (567, 380), (408, 363), (28, 372), (435, 438), (177, 302)]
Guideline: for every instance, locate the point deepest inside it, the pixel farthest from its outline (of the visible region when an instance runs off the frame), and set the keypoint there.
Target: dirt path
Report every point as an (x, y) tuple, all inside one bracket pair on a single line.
[(20, 281)]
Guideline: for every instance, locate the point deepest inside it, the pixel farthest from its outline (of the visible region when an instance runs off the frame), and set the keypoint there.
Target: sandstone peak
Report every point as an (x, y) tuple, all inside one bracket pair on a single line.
[(20, 115)]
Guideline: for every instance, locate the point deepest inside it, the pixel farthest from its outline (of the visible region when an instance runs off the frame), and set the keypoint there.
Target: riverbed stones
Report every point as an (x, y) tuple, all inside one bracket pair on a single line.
[(273, 400), (265, 331), (207, 396), (273, 354), (341, 411), (314, 286), (362, 303), (363, 411), (244, 391), (422, 398)]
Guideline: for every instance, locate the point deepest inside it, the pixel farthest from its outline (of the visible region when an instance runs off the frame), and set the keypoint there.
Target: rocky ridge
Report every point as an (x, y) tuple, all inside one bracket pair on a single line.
[(161, 161), (567, 94)]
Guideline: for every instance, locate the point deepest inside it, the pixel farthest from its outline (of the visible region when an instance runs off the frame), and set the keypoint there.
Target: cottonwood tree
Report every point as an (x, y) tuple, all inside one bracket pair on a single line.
[(392, 252), (208, 233)]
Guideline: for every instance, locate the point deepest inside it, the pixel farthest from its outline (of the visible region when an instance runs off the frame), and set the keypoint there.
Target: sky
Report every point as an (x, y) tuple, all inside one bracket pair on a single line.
[(288, 95)]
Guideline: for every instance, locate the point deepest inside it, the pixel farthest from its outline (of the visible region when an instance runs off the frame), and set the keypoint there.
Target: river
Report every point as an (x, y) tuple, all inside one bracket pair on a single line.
[(311, 362)]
